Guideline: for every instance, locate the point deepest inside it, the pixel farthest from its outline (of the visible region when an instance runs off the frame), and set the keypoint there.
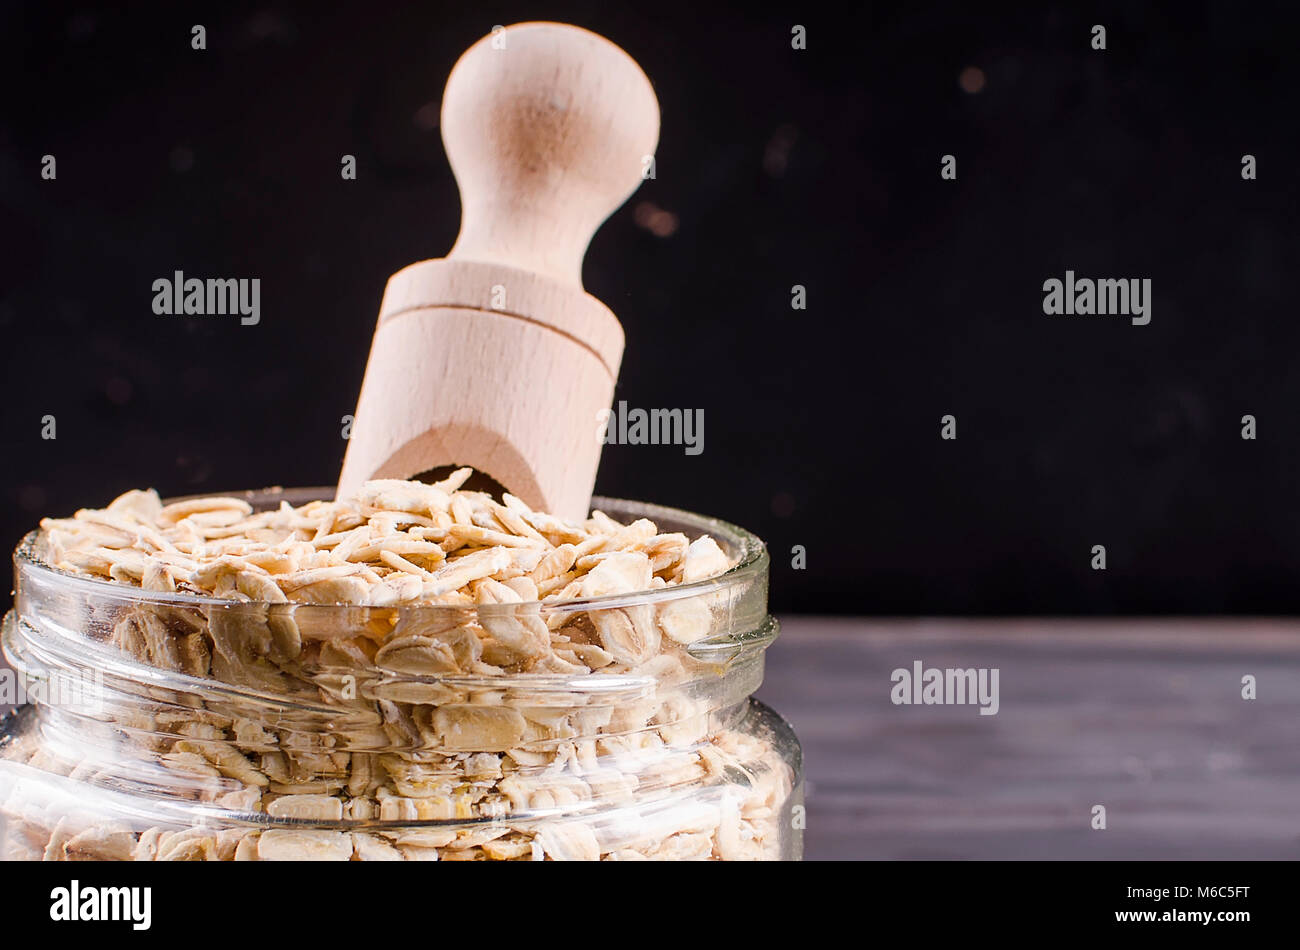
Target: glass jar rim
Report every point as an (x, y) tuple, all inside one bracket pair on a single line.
[(65, 627), (746, 549)]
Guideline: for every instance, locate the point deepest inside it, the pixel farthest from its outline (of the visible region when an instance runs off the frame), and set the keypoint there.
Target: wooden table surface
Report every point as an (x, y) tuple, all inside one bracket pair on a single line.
[(1145, 717)]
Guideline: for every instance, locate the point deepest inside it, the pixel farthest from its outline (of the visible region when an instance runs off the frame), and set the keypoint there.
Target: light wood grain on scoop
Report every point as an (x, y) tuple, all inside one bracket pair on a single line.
[(495, 357)]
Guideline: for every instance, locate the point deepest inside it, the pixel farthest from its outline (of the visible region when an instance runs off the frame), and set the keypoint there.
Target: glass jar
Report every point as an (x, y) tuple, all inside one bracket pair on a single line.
[(171, 726)]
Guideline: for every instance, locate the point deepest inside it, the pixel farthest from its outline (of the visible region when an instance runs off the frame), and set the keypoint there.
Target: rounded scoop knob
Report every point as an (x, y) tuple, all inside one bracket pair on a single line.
[(549, 128), (495, 357)]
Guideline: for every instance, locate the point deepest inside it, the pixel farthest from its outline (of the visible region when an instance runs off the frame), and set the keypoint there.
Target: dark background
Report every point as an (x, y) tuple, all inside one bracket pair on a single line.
[(818, 167)]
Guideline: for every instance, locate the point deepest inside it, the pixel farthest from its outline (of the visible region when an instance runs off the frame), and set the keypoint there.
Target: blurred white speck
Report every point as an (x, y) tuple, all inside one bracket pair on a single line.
[(182, 159), (81, 26), (654, 219), (1223, 761), (426, 117), (270, 25), (1136, 768), (32, 498), (118, 390), (776, 157), (971, 79)]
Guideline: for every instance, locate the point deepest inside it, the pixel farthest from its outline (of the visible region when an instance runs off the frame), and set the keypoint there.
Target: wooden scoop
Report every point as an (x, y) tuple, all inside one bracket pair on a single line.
[(495, 357)]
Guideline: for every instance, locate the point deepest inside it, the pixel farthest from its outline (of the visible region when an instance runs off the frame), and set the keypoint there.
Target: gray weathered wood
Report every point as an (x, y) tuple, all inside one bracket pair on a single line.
[(1145, 717)]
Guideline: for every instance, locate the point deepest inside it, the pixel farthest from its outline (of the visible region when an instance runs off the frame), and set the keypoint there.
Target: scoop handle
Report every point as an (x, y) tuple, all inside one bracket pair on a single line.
[(495, 357), (549, 128)]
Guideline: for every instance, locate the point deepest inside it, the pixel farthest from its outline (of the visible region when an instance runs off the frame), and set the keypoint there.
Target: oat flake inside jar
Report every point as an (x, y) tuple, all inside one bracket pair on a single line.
[(484, 682)]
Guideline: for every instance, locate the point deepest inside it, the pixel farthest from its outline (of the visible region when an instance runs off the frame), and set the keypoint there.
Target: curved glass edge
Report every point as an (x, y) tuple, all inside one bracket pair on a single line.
[(750, 553), (135, 805)]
